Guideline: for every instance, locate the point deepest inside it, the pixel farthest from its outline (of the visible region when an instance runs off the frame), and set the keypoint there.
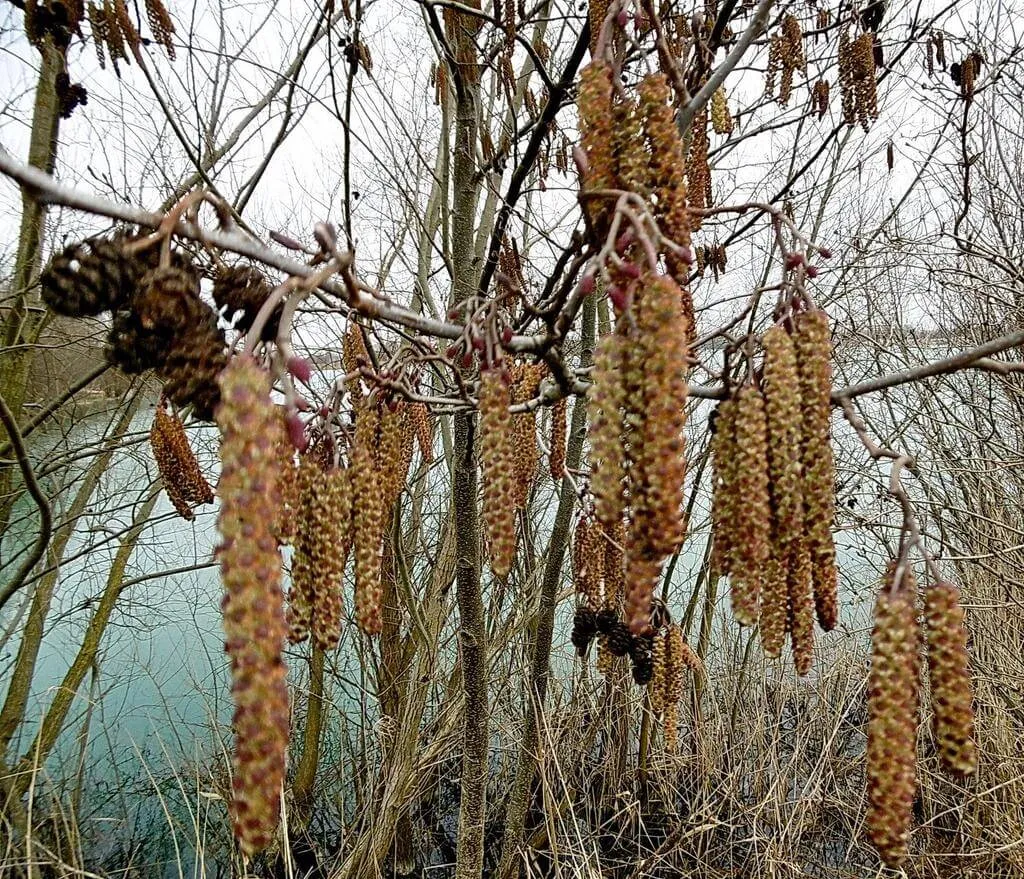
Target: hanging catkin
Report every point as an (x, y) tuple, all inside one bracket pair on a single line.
[(368, 516), (950, 679), (254, 624), (497, 466), (813, 351), (892, 718)]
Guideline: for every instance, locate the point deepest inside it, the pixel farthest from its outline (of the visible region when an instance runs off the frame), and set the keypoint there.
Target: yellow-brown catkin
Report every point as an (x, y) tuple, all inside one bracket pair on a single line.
[(659, 460), (605, 404), (524, 386), (556, 458), (288, 483), (367, 517), (597, 11), (588, 563), (801, 607), (354, 355), (774, 618), (332, 514), (670, 727), (892, 720), (782, 406), (721, 118), (605, 658), (420, 417), (813, 351), (180, 473), (393, 453), (597, 136), (698, 168), (659, 675), (750, 509), (299, 615), (668, 165), (497, 467), (724, 481), (677, 660), (253, 608), (950, 679)]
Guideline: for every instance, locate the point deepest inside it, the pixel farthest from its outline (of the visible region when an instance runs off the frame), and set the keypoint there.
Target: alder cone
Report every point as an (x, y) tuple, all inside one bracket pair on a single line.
[(497, 463), (240, 292), (813, 350), (254, 623), (90, 277), (950, 679), (892, 721), (584, 628)]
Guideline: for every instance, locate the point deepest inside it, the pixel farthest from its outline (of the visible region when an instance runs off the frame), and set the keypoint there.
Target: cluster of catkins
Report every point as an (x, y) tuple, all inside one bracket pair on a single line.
[(253, 604), (180, 473), (785, 56), (672, 659), (893, 692), (857, 78), (773, 489), (509, 453), (159, 320)]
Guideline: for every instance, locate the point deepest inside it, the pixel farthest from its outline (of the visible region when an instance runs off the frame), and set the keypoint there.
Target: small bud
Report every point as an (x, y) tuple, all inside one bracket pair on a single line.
[(687, 256), (478, 343), (812, 271), (618, 297), (624, 241), (467, 360), (622, 19), (506, 335), (296, 431), (286, 241), (324, 411), (300, 368), (824, 253), (630, 270), (453, 313), (794, 260), (451, 351), (587, 285), (302, 404)]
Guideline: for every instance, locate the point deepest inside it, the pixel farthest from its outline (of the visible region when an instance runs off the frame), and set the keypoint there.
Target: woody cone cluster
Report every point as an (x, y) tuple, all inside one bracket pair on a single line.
[(180, 473), (772, 504), (254, 623)]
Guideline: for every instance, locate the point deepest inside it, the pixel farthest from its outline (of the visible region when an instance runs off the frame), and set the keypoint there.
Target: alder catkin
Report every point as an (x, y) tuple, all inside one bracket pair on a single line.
[(368, 517), (801, 607), (333, 516), (950, 679), (812, 345), (497, 466), (892, 719), (253, 609), (605, 404), (750, 508), (420, 417), (724, 495), (782, 406), (180, 473), (299, 614)]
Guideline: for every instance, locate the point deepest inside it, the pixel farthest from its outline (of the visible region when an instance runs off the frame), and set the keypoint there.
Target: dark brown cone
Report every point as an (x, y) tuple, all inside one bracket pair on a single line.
[(167, 464), (240, 291), (254, 623), (892, 721), (950, 679), (179, 470), (90, 277)]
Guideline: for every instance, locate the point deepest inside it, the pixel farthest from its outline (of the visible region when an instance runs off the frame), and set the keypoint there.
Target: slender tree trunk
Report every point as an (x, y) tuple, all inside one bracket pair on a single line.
[(515, 812), (26, 317)]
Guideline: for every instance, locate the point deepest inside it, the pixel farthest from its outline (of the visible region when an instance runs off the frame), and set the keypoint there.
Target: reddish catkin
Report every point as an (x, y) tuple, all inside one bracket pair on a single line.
[(950, 679), (750, 509), (813, 352), (368, 517), (254, 624), (892, 719), (497, 466), (556, 457)]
